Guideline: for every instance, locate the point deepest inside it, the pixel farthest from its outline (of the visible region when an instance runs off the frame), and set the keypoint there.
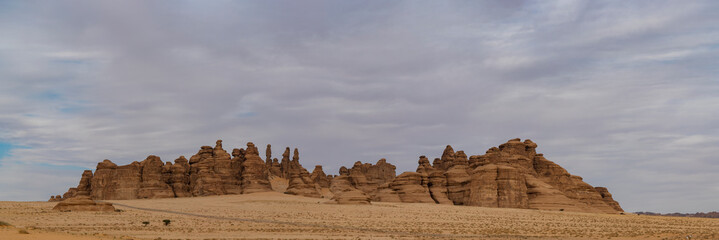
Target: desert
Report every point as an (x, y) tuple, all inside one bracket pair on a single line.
[(273, 215)]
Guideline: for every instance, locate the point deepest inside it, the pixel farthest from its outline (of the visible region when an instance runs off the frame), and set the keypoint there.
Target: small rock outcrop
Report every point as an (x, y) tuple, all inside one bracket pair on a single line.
[(83, 203)]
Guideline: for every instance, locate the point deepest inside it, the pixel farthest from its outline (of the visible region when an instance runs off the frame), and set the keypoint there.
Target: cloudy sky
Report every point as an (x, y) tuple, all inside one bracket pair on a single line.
[(622, 93)]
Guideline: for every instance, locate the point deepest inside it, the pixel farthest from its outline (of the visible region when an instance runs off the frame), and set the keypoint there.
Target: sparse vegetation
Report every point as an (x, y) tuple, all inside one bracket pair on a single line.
[(145, 223), (166, 221), (4, 224), (23, 231), (280, 213)]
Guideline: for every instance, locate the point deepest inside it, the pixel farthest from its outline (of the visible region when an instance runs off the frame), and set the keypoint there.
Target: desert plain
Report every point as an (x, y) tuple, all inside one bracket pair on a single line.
[(272, 215)]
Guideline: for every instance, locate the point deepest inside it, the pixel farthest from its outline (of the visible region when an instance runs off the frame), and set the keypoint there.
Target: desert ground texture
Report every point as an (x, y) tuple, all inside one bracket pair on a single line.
[(274, 215)]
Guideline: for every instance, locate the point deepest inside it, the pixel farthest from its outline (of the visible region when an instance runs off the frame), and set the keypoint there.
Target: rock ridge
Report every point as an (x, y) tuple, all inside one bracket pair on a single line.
[(511, 175)]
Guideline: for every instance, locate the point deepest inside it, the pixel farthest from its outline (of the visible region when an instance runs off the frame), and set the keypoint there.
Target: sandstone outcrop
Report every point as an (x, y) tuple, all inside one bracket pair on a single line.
[(83, 203), (512, 175), (155, 179), (607, 197), (300, 182), (368, 177), (254, 173), (212, 171), (409, 188), (180, 177), (344, 192), (319, 177)]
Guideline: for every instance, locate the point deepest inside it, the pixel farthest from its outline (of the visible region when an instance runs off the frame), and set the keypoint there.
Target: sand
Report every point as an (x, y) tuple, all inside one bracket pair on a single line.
[(278, 216)]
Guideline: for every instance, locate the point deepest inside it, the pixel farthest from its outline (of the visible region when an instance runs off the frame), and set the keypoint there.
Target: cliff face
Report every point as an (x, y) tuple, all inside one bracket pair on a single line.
[(512, 175)]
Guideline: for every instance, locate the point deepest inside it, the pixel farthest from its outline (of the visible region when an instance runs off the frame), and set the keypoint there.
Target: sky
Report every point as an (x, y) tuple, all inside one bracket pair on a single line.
[(622, 93)]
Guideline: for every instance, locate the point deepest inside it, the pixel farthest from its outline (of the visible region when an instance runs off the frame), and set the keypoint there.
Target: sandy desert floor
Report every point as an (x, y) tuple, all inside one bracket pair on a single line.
[(279, 216)]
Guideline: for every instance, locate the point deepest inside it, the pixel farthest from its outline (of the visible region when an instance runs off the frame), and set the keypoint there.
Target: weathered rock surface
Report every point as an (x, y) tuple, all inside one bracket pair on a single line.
[(369, 177), (180, 177), (255, 172), (319, 177), (409, 188), (155, 179), (607, 197), (300, 181), (212, 171), (83, 203), (512, 175), (344, 192)]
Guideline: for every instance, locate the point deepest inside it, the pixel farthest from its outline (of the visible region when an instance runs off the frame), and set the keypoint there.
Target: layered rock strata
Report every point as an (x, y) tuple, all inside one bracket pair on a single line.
[(512, 175), (212, 171)]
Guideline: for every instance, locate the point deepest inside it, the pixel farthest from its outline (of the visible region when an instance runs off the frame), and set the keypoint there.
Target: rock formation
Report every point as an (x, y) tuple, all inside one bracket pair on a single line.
[(368, 177), (212, 171), (83, 203), (344, 192), (254, 172), (300, 182), (319, 177), (512, 175), (409, 188), (607, 197), (180, 177)]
